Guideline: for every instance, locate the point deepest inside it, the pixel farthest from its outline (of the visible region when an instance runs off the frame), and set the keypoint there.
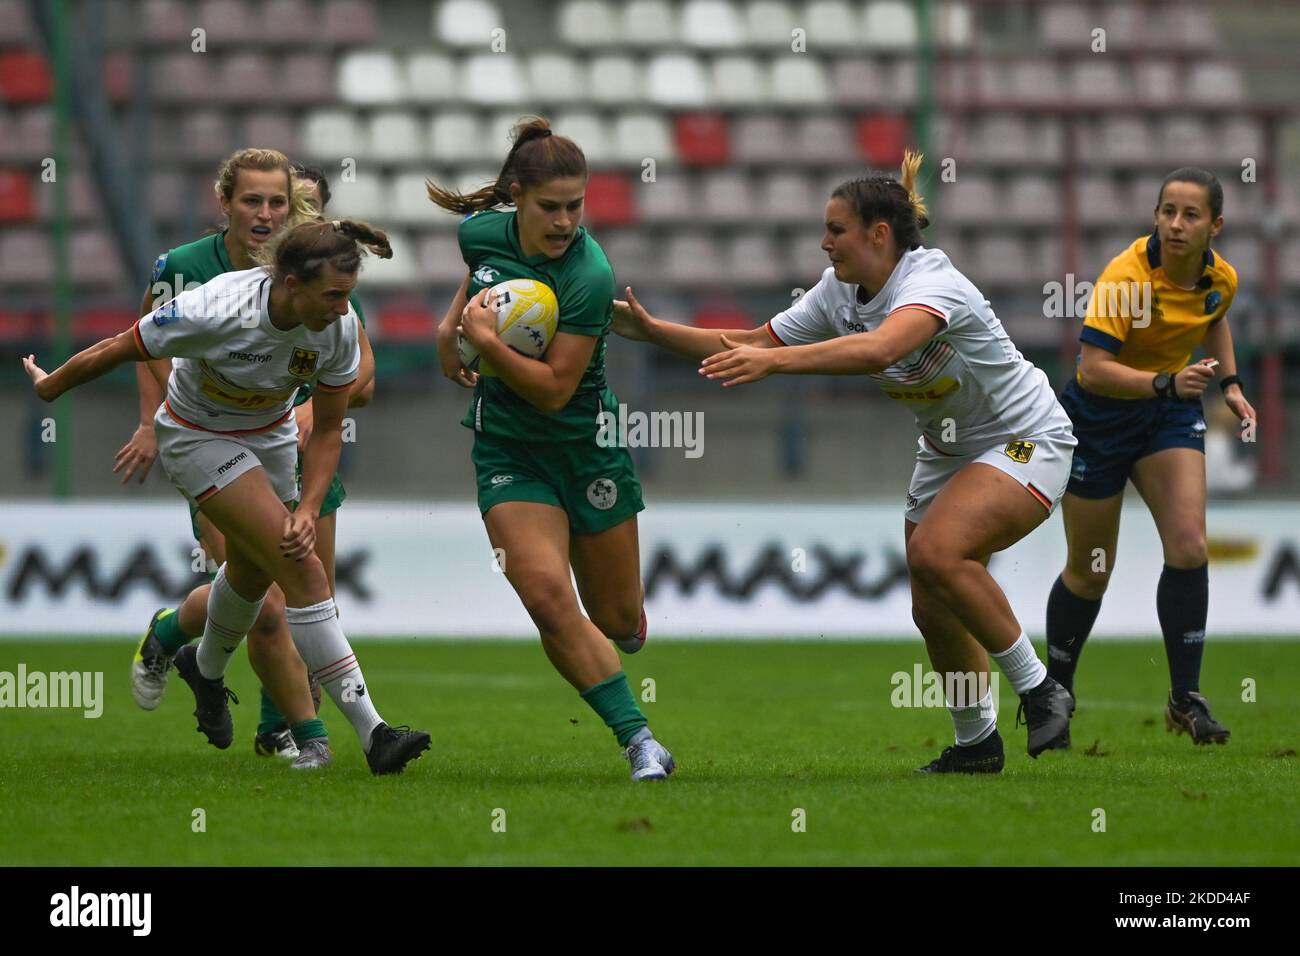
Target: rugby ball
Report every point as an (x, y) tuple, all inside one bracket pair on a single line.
[(527, 314)]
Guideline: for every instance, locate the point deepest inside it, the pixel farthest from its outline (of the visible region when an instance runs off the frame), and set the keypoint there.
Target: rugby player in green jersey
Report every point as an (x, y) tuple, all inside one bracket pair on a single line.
[(552, 497), (259, 192)]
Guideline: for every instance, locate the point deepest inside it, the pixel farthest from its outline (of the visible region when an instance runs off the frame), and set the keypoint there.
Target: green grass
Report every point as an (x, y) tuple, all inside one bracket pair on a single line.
[(758, 729)]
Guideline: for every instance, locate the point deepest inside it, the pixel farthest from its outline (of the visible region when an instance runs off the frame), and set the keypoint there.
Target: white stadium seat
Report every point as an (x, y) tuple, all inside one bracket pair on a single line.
[(1100, 200), (649, 23), (727, 197), (672, 197), (824, 139), (738, 81), (676, 80), (589, 23), (1156, 82), (439, 259), (409, 203), (761, 139), (396, 136), (1033, 199), (644, 135), (365, 197), (615, 79), (456, 137), (590, 132), (492, 79), (329, 135), (770, 24), (788, 197), (1217, 83), (431, 78), (692, 259), (370, 76), (556, 78), (798, 80), (831, 24), (402, 269), (752, 257), (466, 23), (889, 24), (712, 24)]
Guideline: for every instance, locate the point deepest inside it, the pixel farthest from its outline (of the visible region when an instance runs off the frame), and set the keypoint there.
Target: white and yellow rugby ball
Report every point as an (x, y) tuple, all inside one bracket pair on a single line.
[(527, 314)]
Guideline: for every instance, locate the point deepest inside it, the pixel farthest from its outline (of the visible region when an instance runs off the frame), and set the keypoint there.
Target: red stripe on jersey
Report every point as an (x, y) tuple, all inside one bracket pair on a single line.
[(924, 308), (204, 496), (775, 338), (248, 431), (940, 356), (139, 341)]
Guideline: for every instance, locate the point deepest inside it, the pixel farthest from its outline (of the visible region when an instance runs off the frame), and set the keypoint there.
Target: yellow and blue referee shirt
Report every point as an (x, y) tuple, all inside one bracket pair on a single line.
[(1163, 339)]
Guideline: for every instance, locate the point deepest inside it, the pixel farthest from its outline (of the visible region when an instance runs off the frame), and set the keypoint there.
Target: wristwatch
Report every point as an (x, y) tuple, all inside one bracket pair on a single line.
[(1163, 385)]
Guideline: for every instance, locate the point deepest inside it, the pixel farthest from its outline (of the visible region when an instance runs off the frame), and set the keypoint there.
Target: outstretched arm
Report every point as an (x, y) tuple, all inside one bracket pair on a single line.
[(87, 365), (632, 321)]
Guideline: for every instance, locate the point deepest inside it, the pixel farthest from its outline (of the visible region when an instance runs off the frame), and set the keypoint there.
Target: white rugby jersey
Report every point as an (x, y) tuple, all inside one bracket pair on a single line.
[(970, 372), (234, 371)]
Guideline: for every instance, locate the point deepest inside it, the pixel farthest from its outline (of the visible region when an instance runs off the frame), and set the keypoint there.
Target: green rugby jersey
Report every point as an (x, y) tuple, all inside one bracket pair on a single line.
[(583, 283), (191, 265)]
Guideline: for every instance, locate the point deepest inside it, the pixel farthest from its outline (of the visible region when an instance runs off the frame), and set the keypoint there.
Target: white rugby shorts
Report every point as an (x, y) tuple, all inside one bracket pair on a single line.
[(201, 463), (1041, 463)]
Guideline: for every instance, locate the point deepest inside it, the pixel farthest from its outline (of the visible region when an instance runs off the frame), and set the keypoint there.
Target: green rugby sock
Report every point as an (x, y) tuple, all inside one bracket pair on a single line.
[(612, 700), (306, 730), (272, 719), (169, 633)]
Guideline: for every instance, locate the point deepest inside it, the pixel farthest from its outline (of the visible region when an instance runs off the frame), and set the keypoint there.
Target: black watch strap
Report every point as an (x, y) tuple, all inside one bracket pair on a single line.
[(1229, 380)]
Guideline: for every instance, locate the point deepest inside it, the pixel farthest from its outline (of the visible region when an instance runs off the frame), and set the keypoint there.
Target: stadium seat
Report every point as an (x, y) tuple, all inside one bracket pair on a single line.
[(1098, 81), (1100, 200), (634, 256), (246, 78), (832, 24), (404, 320), (329, 135), (272, 131), (676, 80), (693, 259), (824, 139), (1190, 27), (229, 23), (788, 197), (761, 139), (408, 201), (348, 21), (166, 21), (555, 78), (1032, 199), (456, 137), (97, 324), (1126, 26), (370, 76), (883, 138), (205, 136), (727, 197), (403, 269), (440, 259), (365, 197), (94, 259), (431, 78), (466, 22), (1289, 264), (738, 81), (702, 139), (1066, 26), (1001, 137), (1000, 257), (672, 197), (1124, 138), (649, 23), (589, 23), (752, 257), (954, 26), (798, 80), (167, 194), (712, 24), (31, 134), (971, 198), (1242, 202), (16, 24), (184, 77), (492, 79), (615, 80), (1143, 193), (722, 316), (609, 200), (590, 132), (83, 201), (307, 78), (26, 257), (1181, 136), (857, 81), (396, 137), (889, 24), (1034, 81), (17, 203), (24, 77), (806, 261), (770, 24), (286, 21), (1246, 255), (641, 136), (900, 83), (1156, 82), (1216, 83)]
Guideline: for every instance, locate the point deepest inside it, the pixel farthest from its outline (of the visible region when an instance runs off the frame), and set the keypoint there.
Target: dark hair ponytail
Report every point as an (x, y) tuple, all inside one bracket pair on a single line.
[(536, 156), (304, 250), (895, 201)]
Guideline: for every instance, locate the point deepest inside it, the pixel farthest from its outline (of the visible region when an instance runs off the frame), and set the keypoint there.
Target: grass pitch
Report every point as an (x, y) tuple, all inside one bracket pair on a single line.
[(760, 730)]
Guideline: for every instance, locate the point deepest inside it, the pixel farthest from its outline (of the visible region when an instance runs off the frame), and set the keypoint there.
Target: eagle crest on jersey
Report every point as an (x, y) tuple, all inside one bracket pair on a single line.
[(1020, 450), (303, 362)]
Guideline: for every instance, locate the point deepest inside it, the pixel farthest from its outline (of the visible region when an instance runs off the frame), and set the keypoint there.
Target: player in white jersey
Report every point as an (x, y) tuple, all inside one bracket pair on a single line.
[(244, 343), (994, 454)]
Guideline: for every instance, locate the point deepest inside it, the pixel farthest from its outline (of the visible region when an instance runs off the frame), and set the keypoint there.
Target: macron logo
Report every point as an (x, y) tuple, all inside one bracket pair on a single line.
[(102, 909), (232, 463)]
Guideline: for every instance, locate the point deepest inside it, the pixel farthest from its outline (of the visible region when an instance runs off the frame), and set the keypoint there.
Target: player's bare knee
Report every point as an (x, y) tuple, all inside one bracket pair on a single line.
[(1186, 550), (617, 623), (550, 604), (928, 560), (1089, 583), (303, 582), (270, 618)]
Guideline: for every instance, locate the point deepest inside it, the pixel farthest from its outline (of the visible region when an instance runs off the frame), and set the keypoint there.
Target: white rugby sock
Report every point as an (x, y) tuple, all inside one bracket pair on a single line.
[(1021, 665), (324, 648), (976, 722), (229, 619)]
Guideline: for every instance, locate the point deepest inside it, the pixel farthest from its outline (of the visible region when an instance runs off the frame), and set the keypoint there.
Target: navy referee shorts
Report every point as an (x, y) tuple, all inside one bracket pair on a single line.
[(1114, 433)]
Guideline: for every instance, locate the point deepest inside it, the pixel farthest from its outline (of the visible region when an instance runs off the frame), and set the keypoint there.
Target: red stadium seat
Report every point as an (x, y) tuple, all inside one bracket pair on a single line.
[(24, 77), (609, 200), (16, 201), (21, 327), (703, 139), (406, 322), (93, 325), (882, 139), (117, 77)]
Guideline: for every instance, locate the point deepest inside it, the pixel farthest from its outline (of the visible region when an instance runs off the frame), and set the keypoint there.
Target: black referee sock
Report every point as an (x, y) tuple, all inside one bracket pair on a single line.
[(1069, 622), (1182, 603)]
